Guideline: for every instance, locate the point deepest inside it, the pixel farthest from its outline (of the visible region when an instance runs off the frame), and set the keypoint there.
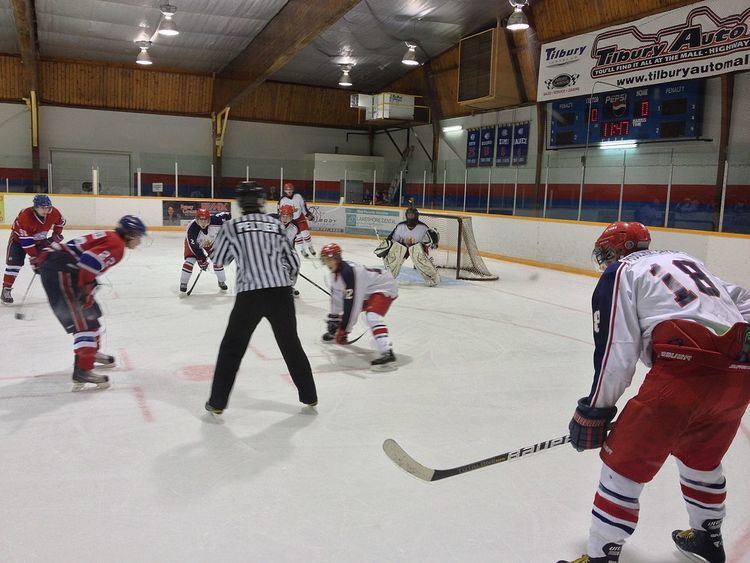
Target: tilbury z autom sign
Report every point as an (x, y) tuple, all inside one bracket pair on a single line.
[(700, 40)]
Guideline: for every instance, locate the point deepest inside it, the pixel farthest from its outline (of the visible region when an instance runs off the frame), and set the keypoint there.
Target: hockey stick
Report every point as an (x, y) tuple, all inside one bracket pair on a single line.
[(303, 276), (20, 315), (192, 287), (410, 465)]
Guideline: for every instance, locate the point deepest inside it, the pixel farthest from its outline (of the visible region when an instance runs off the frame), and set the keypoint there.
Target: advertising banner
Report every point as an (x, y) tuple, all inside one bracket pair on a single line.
[(368, 221), (704, 39), (504, 148), (327, 219), (521, 143), (472, 147), (177, 212), (487, 146)]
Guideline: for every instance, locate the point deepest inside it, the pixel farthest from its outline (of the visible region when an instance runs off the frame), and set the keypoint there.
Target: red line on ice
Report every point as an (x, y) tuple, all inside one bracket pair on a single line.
[(140, 398)]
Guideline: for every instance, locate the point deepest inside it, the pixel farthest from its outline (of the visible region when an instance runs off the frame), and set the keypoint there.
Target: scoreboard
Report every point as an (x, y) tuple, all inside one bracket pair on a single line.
[(661, 112)]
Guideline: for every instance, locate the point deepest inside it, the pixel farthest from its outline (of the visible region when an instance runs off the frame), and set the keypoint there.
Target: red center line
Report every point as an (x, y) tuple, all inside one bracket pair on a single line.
[(125, 359)]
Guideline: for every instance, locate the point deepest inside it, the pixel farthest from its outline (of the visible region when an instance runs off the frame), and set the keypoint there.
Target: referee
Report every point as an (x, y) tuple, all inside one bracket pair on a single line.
[(267, 268)]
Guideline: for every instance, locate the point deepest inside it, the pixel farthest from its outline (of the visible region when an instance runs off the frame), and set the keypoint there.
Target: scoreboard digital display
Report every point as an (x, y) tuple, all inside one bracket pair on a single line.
[(652, 113)]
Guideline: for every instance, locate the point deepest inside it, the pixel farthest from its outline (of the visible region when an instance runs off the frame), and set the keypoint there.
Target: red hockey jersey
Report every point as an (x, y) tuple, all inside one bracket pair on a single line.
[(29, 229), (96, 253)]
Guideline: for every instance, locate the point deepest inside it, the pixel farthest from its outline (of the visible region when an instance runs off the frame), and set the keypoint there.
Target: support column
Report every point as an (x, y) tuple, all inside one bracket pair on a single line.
[(727, 98)]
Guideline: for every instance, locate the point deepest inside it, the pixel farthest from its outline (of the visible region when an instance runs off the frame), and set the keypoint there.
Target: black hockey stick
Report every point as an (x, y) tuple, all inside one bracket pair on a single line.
[(303, 276), (410, 465), (20, 315), (192, 287)]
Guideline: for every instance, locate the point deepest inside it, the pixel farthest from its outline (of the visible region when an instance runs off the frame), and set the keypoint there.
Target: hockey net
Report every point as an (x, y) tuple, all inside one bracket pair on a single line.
[(457, 248)]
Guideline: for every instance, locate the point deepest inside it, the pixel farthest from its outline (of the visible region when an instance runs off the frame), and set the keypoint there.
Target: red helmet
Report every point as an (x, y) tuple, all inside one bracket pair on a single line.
[(286, 210), (331, 250), (203, 214), (618, 240)]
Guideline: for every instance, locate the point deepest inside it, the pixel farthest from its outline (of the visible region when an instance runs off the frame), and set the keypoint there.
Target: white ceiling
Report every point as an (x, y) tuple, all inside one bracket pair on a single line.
[(212, 33)]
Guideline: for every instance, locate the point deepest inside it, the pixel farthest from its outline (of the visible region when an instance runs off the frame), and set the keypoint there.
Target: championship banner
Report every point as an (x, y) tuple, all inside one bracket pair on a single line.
[(487, 146), (704, 39), (472, 147), (521, 143), (181, 212), (504, 139)]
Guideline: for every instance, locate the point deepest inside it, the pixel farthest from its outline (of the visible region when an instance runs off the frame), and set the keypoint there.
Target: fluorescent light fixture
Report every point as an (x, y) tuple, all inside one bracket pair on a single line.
[(168, 26), (410, 57), (143, 57), (452, 128), (606, 145), (345, 79), (517, 20)]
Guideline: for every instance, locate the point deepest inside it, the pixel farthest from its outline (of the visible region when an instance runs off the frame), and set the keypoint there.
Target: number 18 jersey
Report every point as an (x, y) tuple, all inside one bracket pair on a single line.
[(638, 292)]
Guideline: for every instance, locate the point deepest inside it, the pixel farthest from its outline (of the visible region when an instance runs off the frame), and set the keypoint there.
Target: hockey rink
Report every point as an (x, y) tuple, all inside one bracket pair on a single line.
[(137, 473)]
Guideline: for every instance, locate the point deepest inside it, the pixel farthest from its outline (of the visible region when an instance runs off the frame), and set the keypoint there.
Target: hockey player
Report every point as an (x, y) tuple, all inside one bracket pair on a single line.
[(411, 238), (199, 239), (30, 231), (692, 330), (356, 289), (69, 272), (285, 215), (301, 215)]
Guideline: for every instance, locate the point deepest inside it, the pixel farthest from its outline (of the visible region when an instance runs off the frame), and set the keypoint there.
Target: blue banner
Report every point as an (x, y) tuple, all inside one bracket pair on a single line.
[(487, 146), (504, 140), (521, 143), (472, 147)]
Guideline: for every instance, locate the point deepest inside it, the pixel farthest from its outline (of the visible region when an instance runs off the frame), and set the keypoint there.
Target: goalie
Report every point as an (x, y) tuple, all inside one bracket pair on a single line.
[(411, 238)]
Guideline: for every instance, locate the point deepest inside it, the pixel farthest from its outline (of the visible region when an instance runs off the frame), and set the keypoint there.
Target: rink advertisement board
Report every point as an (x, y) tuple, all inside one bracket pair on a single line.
[(326, 219), (369, 221), (176, 212), (704, 39)]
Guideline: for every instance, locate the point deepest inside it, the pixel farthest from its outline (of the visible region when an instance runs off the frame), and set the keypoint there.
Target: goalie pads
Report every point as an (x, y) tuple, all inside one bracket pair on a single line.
[(395, 258), (383, 248), (424, 265)]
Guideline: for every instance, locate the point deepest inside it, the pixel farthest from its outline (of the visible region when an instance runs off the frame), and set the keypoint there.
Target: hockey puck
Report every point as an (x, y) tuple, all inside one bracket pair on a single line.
[(20, 316)]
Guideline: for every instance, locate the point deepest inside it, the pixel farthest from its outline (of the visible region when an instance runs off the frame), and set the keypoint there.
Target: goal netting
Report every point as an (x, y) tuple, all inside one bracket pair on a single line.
[(457, 248)]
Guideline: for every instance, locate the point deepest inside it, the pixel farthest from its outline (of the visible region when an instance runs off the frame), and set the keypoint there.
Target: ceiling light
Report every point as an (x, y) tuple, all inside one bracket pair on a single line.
[(410, 57), (517, 20), (345, 79), (452, 128), (618, 145), (168, 26), (143, 57)]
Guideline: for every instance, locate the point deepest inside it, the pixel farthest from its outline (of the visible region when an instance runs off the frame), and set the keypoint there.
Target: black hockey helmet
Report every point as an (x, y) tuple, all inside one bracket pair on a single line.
[(412, 216), (250, 196)]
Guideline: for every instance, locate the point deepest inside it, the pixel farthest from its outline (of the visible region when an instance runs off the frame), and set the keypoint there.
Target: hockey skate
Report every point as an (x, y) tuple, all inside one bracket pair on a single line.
[(6, 297), (295, 292), (328, 337), (183, 288), (104, 360), (702, 545), (305, 254), (213, 410), (81, 377), (312, 250), (612, 551), (386, 358), (223, 286)]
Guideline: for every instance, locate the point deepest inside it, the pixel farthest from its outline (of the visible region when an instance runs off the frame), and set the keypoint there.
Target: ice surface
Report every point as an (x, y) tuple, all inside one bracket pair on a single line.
[(135, 473)]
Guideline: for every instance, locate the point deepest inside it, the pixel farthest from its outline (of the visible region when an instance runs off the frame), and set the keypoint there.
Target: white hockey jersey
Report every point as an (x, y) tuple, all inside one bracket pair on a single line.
[(290, 228), (352, 285), (296, 201), (408, 237), (201, 241), (638, 292)]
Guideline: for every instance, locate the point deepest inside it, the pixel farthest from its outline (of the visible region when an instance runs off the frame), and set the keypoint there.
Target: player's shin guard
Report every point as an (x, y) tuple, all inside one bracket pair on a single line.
[(379, 332), (11, 273), (615, 512), (704, 493), (221, 275), (187, 269), (85, 346)]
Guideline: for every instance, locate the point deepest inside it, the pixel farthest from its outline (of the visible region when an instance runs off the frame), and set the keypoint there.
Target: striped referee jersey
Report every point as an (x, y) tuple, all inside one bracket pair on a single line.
[(259, 244)]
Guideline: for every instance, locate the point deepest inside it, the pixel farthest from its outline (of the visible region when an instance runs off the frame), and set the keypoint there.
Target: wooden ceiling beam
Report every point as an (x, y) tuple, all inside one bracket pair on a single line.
[(296, 25), (25, 16)]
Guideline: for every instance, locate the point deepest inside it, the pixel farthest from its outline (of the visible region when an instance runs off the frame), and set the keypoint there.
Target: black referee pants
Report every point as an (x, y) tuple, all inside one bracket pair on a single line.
[(277, 305)]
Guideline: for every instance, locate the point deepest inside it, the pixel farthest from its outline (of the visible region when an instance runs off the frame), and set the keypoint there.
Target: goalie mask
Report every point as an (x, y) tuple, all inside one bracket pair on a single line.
[(618, 240), (412, 217)]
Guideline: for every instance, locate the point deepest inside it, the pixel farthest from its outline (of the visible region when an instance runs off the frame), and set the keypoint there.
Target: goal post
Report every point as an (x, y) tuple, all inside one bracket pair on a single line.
[(457, 248)]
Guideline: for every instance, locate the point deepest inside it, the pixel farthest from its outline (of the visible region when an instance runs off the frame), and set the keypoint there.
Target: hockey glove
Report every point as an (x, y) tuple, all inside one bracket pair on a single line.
[(203, 264), (56, 237), (341, 336), (589, 425), (309, 216)]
